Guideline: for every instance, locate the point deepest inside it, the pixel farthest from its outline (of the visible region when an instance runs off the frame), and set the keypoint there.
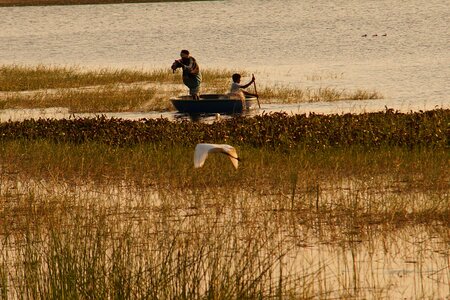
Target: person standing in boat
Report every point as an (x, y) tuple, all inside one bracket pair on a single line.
[(237, 89), (192, 77)]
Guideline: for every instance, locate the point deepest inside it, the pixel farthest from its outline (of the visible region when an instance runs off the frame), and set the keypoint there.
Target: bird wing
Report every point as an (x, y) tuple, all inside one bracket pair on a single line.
[(200, 154), (232, 154), (202, 150)]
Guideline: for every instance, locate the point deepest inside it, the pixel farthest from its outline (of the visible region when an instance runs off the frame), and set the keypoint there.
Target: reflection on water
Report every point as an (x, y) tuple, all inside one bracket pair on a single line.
[(397, 48)]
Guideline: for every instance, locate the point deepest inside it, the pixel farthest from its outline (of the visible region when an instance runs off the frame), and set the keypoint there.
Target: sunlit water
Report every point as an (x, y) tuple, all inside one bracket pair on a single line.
[(295, 43)]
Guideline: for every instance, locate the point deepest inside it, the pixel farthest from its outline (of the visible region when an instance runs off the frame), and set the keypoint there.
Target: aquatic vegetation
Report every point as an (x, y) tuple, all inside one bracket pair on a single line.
[(285, 94), (389, 128), (104, 99), (23, 78), (115, 208), (140, 221)]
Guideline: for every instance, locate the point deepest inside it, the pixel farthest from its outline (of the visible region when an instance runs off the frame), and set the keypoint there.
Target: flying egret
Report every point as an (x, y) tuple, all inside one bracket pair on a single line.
[(202, 150)]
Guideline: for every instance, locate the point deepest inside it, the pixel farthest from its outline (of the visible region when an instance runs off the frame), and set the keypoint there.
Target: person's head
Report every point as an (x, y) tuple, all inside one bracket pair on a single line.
[(236, 77), (184, 54)]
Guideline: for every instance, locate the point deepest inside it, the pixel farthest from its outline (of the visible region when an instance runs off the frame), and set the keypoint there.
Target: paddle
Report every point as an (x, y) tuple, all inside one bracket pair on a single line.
[(256, 92)]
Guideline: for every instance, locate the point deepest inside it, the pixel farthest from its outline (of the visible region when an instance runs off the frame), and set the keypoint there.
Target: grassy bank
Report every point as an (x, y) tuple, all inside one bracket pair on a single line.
[(98, 91)]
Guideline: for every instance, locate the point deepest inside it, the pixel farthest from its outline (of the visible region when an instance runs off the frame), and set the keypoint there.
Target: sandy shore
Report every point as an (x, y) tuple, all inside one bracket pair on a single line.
[(4, 3)]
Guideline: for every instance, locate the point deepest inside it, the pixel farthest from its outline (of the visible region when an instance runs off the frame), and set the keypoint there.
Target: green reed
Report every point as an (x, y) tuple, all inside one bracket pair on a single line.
[(110, 208), (23, 78), (216, 233), (300, 174), (77, 248), (139, 222)]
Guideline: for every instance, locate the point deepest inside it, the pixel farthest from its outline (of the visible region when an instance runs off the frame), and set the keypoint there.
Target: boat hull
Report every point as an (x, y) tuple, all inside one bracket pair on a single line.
[(212, 103)]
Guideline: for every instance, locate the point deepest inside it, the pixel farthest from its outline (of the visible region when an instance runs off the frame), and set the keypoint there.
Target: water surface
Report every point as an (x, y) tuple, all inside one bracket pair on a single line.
[(296, 43)]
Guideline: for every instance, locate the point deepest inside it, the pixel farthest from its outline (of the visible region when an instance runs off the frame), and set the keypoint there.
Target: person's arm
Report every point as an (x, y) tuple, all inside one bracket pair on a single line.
[(187, 67), (248, 84), (192, 67)]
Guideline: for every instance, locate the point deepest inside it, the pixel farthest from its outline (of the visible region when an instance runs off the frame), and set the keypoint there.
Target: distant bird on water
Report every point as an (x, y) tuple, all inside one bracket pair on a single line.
[(202, 150), (373, 35)]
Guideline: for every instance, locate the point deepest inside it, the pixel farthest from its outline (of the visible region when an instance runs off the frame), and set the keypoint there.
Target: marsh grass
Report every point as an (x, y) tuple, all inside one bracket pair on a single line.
[(212, 233), (285, 94), (104, 99), (140, 222), (23, 78), (28, 78), (99, 89), (111, 252), (390, 172)]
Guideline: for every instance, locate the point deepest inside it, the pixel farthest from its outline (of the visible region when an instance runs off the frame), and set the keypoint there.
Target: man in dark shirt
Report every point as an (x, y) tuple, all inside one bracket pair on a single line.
[(192, 77)]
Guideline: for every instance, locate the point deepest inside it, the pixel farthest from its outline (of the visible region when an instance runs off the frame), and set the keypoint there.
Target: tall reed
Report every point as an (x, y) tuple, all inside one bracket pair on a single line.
[(25, 78), (41, 86), (103, 99), (90, 219)]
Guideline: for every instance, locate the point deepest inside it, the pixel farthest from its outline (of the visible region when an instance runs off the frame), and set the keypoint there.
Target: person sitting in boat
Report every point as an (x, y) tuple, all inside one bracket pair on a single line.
[(237, 89), (192, 77)]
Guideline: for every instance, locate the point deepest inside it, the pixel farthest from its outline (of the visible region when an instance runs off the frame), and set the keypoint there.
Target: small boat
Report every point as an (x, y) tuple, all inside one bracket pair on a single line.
[(213, 103)]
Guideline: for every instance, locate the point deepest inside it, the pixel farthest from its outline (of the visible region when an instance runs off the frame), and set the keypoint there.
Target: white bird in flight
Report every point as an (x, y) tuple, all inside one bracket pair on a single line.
[(202, 150)]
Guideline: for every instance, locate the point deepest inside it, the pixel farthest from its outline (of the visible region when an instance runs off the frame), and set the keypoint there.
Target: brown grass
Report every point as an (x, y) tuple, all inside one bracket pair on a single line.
[(140, 222), (43, 86)]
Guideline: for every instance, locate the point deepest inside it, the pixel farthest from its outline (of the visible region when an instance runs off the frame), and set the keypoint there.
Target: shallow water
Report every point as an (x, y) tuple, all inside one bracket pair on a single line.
[(404, 263), (338, 107), (305, 44)]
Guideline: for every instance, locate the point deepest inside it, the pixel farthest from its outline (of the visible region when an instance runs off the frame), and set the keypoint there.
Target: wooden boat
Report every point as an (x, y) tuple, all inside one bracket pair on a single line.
[(213, 103)]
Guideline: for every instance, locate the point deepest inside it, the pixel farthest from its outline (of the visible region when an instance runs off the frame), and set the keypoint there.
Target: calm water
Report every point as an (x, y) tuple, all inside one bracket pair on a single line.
[(297, 43)]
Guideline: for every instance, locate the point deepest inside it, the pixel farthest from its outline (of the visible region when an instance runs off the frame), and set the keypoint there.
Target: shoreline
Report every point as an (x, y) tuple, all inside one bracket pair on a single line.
[(15, 3)]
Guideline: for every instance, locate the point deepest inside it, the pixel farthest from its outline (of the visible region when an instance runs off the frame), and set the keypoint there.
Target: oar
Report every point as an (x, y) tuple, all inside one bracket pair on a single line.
[(257, 97)]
